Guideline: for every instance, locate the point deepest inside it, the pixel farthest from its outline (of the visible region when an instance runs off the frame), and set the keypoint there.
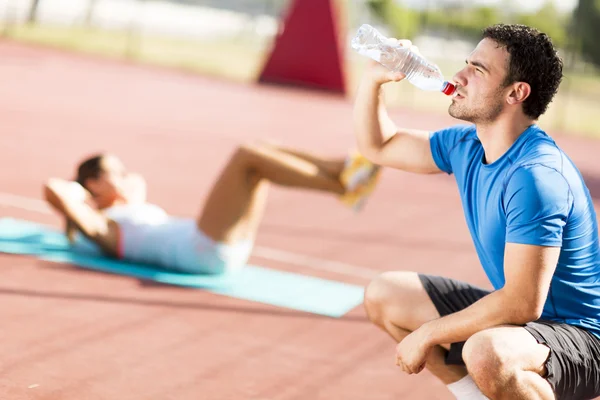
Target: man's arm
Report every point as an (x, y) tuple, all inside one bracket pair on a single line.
[(538, 202), (528, 270), (378, 138), (70, 202)]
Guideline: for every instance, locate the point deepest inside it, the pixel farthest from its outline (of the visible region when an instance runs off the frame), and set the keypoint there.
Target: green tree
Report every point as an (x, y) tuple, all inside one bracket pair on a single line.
[(474, 20), (549, 21), (585, 29), (467, 22), (403, 22), (378, 8)]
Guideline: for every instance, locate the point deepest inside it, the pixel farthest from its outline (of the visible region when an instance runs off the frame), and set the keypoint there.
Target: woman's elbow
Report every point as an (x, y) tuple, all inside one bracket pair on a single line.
[(52, 184), (50, 191)]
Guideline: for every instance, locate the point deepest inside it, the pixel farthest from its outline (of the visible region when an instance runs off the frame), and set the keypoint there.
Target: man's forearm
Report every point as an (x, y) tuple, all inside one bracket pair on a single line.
[(495, 309)]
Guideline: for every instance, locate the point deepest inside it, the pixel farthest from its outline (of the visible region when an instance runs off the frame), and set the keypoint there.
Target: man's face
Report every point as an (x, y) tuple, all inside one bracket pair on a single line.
[(480, 84)]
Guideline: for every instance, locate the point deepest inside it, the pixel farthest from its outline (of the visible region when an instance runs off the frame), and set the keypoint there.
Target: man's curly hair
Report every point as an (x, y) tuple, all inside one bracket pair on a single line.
[(533, 59)]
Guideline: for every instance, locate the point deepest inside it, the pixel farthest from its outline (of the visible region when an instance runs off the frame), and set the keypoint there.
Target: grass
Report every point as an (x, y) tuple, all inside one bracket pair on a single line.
[(240, 59)]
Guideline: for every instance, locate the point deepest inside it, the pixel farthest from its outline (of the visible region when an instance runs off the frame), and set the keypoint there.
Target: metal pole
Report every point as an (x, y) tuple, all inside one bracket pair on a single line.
[(32, 14), (89, 14)]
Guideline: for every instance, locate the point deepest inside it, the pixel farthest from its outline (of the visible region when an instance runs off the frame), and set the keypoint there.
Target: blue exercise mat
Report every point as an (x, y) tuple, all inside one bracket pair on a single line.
[(263, 285)]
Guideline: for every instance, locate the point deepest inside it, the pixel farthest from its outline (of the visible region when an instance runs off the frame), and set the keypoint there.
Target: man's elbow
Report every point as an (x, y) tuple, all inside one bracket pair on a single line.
[(519, 309), (529, 310)]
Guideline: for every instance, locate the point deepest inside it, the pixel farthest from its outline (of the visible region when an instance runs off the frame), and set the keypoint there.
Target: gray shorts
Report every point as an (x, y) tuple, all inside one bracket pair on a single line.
[(574, 362)]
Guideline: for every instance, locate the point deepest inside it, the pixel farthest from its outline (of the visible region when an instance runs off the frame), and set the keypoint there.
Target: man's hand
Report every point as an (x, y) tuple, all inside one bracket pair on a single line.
[(378, 74), (412, 352)]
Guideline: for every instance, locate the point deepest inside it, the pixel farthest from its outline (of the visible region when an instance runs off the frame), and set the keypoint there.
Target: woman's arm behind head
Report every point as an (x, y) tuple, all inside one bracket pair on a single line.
[(70, 200)]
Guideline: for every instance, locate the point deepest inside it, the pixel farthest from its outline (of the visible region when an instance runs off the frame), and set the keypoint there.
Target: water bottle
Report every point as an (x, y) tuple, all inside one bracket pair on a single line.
[(421, 73)]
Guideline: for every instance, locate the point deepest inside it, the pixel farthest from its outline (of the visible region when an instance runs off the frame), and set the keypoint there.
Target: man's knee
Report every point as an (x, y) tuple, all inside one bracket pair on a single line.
[(376, 296), (395, 297), (489, 363)]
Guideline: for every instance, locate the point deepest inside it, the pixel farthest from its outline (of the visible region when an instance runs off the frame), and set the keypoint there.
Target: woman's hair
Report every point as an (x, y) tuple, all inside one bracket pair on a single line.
[(90, 168)]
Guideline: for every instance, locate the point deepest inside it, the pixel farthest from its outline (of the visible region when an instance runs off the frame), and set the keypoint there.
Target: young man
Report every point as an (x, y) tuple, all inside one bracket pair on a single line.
[(536, 336), (107, 213)]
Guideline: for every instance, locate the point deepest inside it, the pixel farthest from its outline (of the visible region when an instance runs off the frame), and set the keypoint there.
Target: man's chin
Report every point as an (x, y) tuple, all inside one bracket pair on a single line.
[(458, 114), (455, 113)]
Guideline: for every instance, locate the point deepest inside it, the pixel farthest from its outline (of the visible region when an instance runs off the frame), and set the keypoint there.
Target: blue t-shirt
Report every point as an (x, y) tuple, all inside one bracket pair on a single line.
[(535, 195)]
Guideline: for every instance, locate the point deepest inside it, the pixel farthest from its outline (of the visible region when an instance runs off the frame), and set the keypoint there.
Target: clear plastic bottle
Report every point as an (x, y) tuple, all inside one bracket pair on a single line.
[(420, 72)]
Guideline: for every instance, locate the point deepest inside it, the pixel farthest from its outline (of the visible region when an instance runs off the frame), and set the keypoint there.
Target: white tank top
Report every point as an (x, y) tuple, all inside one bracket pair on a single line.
[(149, 235)]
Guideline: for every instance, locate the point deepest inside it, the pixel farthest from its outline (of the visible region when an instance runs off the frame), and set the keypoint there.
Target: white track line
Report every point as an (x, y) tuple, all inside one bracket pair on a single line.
[(267, 253), (24, 203)]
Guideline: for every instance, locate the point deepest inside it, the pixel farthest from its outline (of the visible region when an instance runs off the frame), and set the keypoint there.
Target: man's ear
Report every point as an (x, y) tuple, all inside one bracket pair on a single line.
[(519, 93)]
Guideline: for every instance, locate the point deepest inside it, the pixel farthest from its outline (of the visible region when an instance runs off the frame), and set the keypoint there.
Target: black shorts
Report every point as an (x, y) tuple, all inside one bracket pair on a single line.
[(574, 362)]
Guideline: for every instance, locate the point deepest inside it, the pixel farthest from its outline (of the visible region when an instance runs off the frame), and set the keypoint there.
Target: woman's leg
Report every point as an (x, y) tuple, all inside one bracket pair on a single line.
[(235, 205)]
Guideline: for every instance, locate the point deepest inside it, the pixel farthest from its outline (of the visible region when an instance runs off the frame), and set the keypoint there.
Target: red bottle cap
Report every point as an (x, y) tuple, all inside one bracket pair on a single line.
[(449, 89)]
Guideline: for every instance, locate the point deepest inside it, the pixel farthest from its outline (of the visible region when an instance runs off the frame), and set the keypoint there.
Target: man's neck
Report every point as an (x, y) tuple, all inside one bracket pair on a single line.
[(498, 136)]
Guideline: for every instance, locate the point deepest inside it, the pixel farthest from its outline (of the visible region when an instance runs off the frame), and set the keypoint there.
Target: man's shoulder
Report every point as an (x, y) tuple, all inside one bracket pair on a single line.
[(538, 145), (456, 134), (542, 181)]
